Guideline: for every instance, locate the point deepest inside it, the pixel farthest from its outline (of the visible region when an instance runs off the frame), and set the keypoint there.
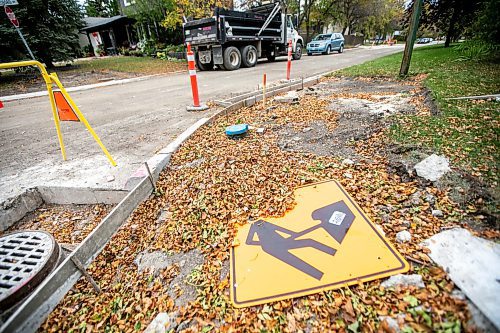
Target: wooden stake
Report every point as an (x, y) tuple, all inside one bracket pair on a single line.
[(410, 39)]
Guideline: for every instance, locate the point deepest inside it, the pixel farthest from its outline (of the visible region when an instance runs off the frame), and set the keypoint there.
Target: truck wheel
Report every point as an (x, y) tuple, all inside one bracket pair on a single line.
[(298, 52), (271, 56), (249, 56), (204, 67), (232, 58)]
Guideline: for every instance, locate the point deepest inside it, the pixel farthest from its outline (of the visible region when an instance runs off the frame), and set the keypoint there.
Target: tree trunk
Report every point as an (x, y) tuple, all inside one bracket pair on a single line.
[(451, 28)]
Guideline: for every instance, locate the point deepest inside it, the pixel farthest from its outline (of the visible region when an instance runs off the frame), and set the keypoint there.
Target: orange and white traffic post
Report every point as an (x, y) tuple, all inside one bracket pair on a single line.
[(194, 82), (289, 63)]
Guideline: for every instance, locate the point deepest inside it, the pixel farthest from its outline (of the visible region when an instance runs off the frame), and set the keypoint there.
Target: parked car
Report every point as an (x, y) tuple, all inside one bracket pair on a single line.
[(424, 40), (326, 43)]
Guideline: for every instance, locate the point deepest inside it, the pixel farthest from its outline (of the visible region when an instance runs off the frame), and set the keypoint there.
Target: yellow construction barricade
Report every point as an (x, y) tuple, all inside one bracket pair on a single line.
[(63, 106)]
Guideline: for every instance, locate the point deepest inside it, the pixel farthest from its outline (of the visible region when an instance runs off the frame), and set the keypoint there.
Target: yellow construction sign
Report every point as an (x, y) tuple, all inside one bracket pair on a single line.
[(325, 242)]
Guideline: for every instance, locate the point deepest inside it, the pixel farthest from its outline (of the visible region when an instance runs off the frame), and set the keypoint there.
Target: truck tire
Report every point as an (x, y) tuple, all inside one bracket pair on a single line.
[(232, 58), (204, 67), (298, 52), (249, 56), (271, 56)]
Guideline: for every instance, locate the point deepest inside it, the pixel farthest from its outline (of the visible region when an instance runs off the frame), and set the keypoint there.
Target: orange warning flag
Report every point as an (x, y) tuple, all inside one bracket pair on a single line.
[(64, 110)]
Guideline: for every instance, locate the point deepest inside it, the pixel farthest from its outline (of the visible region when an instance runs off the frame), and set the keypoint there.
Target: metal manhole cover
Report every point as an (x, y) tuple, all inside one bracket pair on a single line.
[(26, 257)]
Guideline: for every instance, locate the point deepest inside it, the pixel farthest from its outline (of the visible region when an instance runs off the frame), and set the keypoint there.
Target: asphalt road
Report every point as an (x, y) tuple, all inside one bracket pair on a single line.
[(134, 121)]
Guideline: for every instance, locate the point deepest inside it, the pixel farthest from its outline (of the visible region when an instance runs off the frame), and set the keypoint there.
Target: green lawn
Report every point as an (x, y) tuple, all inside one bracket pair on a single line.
[(466, 131), (142, 65)]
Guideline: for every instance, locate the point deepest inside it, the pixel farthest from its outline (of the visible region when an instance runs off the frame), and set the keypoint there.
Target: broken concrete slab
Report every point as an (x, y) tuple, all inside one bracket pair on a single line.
[(162, 323), (433, 167), (437, 213), (290, 98), (348, 161), (402, 280), (473, 264), (403, 236), (394, 324), (14, 209), (478, 319)]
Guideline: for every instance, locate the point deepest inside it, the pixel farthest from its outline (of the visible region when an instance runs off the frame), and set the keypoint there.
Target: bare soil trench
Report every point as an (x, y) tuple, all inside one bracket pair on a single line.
[(172, 254), (69, 224)]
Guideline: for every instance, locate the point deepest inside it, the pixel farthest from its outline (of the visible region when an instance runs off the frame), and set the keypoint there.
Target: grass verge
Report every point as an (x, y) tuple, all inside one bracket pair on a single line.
[(141, 65), (467, 131)]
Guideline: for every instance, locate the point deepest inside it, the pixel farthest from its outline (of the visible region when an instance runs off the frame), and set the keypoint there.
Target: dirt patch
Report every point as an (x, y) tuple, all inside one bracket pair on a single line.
[(362, 109), (69, 224), (464, 189)]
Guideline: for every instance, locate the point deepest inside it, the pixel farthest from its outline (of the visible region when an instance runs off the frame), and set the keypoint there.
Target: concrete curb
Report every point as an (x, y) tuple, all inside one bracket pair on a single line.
[(14, 209)]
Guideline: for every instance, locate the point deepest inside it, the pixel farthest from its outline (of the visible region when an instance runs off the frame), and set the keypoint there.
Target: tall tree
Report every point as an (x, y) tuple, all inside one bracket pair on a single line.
[(50, 27), (487, 23), (102, 8), (185, 9)]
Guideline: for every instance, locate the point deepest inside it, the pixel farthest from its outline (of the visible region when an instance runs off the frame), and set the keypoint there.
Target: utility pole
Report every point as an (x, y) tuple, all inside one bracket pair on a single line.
[(410, 40)]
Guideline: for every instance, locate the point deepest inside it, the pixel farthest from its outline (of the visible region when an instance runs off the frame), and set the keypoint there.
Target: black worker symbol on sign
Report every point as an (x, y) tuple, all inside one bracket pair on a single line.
[(335, 219)]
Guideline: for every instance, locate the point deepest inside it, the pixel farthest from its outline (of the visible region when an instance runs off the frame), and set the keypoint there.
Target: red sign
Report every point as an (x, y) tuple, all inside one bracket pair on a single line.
[(11, 16)]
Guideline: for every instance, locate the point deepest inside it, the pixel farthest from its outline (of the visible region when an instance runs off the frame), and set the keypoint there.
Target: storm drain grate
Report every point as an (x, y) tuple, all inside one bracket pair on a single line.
[(26, 257)]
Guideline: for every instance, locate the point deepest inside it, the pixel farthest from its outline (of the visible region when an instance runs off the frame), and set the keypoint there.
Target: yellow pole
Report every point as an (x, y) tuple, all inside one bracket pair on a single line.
[(80, 115), (48, 82)]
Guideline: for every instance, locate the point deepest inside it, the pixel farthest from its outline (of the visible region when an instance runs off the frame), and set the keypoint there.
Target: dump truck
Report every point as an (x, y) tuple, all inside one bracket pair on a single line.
[(232, 39)]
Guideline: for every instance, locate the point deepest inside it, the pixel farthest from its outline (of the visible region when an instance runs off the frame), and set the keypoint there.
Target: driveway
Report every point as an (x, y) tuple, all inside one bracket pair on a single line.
[(134, 121)]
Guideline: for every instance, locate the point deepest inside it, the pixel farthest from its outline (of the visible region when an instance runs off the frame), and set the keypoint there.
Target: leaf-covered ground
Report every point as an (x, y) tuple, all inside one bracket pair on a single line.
[(69, 224), (215, 183)]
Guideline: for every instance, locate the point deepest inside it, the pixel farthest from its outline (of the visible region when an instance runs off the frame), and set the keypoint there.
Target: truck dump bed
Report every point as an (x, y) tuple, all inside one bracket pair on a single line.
[(230, 25)]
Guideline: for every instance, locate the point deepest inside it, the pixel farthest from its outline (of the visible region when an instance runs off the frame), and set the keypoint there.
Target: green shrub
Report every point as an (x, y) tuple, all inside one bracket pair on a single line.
[(136, 53), (476, 50)]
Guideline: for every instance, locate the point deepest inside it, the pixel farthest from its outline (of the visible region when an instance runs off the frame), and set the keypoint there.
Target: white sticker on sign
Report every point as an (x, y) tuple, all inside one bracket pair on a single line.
[(337, 218)]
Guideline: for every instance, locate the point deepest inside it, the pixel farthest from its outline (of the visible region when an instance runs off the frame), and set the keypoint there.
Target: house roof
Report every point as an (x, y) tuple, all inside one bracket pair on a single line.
[(98, 23)]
